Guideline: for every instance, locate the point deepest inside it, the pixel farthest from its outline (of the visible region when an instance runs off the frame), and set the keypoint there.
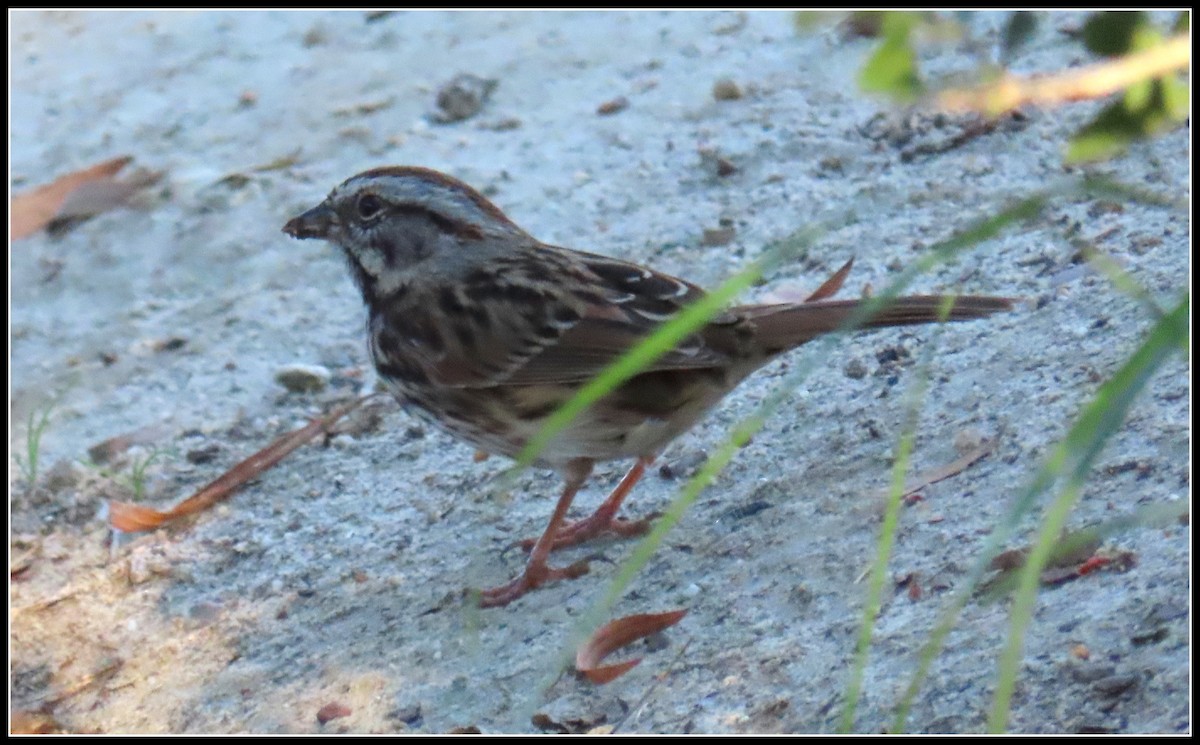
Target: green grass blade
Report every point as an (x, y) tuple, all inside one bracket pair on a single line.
[(891, 522), (1076, 452), (1100, 420)]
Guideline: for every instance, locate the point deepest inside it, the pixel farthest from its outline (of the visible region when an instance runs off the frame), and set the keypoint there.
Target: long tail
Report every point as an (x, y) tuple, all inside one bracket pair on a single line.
[(787, 325)]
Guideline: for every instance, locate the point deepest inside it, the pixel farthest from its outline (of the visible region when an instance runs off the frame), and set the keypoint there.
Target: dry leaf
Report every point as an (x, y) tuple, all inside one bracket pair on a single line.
[(33, 210), (94, 197), (33, 722), (332, 711), (1077, 554), (616, 634), (18, 567), (76, 195), (133, 518)]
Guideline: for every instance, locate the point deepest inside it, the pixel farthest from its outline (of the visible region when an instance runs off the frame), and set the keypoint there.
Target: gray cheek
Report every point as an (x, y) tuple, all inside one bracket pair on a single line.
[(421, 247), (388, 251), (404, 248)]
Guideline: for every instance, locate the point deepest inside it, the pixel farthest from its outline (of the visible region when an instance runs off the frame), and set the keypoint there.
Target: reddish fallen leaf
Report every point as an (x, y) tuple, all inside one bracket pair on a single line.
[(25, 722), (616, 634), (1093, 564), (95, 197), (80, 194), (18, 567), (1077, 555), (133, 518), (332, 711), (912, 584)]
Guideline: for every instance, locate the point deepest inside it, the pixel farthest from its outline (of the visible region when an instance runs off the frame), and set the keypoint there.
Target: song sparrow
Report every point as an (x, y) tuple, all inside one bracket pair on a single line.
[(484, 331)]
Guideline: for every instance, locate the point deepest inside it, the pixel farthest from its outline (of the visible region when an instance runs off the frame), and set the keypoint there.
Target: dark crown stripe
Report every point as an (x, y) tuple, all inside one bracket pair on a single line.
[(450, 182)]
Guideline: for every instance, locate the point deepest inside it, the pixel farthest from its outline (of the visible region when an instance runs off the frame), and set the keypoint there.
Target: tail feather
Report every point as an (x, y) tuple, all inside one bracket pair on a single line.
[(784, 326)]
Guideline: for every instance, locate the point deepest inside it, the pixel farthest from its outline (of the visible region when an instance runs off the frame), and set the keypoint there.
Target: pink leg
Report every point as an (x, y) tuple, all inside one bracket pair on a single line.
[(537, 571), (603, 520)]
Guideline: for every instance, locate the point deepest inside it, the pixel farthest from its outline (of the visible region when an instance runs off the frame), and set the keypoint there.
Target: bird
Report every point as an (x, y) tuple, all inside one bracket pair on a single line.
[(484, 331)]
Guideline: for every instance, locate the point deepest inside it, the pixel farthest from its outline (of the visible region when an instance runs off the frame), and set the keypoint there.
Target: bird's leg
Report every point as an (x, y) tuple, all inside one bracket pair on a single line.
[(604, 519), (537, 571)]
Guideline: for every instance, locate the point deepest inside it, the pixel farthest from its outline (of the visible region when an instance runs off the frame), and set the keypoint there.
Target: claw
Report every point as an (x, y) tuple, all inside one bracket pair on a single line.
[(534, 576)]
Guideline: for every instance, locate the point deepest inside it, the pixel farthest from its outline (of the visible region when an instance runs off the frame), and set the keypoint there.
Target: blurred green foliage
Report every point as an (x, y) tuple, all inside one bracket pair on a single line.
[(1141, 110), (1145, 108)]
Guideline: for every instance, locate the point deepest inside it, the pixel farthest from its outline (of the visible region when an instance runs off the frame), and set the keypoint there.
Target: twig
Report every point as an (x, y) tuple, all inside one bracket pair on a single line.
[(133, 518), (1094, 81)]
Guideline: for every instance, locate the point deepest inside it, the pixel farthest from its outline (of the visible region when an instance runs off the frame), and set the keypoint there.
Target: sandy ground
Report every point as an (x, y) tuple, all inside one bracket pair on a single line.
[(334, 578)]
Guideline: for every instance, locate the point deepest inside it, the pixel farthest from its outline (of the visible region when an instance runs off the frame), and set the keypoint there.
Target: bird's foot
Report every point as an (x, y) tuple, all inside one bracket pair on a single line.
[(535, 575)]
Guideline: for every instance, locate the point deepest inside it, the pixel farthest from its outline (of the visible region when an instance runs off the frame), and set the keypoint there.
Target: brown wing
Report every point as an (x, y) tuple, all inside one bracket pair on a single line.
[(542, 316), (620, 304)]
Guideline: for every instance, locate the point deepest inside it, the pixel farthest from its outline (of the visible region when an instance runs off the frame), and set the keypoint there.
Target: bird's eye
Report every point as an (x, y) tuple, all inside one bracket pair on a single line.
[(369, 206)]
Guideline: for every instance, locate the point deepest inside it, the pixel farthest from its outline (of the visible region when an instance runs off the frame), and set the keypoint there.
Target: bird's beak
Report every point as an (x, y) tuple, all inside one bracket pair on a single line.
[(316, 223)]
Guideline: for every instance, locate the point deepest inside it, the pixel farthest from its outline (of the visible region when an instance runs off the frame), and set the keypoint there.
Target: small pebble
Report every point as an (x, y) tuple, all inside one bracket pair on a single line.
[(855, 369), (170, 344), (1115, 685), (204, 454), (683, 466), (300, 378), (726, 89), (144, 566), (63, 475), (969, 439), (620, 103), (463, 97), (408, 713), (715, 163), (721, 236)]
